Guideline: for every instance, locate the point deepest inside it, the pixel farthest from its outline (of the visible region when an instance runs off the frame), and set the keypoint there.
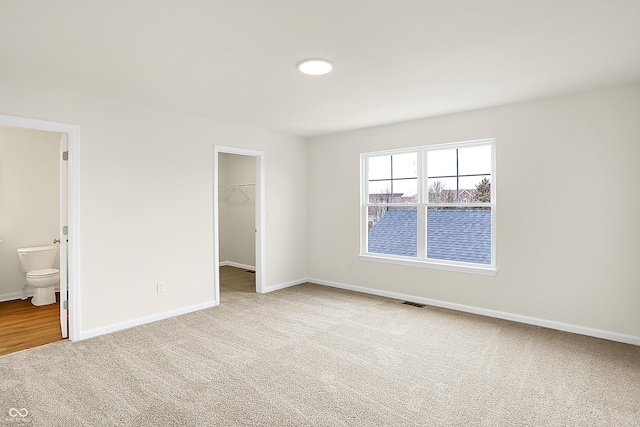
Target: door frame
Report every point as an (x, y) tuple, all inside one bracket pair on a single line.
[(63, 234), (73, 207), (259, 216)]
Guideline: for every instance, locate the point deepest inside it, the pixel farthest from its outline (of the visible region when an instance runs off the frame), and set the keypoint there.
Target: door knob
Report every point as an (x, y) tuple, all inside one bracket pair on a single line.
[(56, 241)]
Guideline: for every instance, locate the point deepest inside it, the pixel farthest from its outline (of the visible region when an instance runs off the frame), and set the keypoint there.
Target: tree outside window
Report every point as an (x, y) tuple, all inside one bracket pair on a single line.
[(431, 204)]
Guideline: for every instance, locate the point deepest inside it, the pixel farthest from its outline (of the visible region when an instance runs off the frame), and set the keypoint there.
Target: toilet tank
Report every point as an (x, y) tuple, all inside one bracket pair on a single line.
[(37, 258)]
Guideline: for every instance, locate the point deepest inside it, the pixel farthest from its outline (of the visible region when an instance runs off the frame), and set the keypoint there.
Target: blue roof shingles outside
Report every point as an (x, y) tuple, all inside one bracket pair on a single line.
[(453, 234), (395, 233), (459, 235)]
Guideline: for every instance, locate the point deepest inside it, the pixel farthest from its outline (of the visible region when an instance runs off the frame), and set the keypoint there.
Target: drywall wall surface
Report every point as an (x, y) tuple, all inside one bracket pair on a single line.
[(146, 199), (567, 209), (237, 209), (29, 200)]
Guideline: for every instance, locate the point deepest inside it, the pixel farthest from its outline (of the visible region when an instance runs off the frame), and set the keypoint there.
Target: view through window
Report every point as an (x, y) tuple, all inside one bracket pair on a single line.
[(432, 203)]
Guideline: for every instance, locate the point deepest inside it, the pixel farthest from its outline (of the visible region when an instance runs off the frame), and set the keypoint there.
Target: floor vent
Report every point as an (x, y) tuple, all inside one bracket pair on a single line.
[(414, 304)]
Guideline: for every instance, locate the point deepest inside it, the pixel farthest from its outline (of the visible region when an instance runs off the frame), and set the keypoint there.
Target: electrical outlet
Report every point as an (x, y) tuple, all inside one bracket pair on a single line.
[(350, 265), (160, 287)]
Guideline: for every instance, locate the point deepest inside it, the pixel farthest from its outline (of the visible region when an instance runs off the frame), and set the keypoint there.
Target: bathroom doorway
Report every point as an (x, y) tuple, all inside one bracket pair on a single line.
[(62, 227), (238, 194)]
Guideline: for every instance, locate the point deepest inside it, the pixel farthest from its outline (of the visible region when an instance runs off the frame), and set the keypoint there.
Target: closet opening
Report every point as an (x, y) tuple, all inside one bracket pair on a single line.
[(238, 220)]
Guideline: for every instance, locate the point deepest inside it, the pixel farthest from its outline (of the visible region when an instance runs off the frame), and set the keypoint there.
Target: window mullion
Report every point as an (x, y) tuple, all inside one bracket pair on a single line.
[(422, 232), (457, 177), (423, 197)]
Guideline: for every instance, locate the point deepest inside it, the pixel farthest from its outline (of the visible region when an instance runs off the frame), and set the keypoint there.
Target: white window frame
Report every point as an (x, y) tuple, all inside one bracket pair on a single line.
[(421, 259)]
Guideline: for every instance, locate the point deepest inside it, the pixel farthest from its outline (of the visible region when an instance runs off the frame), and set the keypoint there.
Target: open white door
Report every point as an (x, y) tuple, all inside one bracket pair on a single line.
[(69, 215), (64, 157)]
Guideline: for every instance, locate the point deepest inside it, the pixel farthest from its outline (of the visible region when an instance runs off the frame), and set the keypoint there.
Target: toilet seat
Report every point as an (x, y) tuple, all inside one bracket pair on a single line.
[(45, 272)]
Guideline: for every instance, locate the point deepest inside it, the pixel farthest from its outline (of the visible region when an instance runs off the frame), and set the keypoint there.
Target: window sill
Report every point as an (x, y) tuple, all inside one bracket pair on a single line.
[(437, 265)]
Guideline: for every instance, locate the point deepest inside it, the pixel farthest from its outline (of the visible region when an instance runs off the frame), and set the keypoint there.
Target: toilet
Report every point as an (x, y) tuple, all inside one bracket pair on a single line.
[(37, 262)]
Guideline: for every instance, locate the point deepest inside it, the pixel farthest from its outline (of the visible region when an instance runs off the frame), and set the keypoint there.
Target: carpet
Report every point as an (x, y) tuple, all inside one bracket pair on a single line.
[(311, 355)]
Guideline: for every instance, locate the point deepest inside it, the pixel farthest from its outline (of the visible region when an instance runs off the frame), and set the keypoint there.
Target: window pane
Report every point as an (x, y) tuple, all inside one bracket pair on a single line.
[(393, 231), (474, 160), (396, 191), (379, 167), (441, 163), (405, 165), (475, 189), (375, 214), (380, 191), (405, 191), (442, 190), (459, 234)]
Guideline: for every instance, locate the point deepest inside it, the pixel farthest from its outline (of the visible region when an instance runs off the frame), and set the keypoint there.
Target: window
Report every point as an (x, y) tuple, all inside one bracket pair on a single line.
[(431, 206)]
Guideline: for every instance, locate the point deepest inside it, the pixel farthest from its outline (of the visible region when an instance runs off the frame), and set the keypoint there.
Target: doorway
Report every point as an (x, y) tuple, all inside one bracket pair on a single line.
[(67, 230), (236, 194)]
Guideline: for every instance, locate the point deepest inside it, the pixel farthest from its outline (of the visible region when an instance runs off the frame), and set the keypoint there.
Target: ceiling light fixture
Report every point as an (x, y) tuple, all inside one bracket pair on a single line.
[(315, 66)]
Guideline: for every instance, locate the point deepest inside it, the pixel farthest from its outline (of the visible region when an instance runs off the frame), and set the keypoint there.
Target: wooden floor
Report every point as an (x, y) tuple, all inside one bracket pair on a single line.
[(23, 325)]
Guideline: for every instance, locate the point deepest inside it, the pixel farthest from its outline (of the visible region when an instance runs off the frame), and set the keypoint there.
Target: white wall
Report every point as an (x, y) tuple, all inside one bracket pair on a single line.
[(566, 182), (567, 210), (146, 200), (29, 199), (237, 209)]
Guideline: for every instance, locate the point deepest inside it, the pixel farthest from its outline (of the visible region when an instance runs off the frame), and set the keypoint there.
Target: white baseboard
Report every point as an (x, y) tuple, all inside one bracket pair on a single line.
[(20, 294), (567, 327), (143, 320), (283, 285), (15, 295), (237, 265)]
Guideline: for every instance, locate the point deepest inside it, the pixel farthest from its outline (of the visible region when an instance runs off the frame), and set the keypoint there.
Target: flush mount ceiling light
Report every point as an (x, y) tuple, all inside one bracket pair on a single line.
[(315, 66)]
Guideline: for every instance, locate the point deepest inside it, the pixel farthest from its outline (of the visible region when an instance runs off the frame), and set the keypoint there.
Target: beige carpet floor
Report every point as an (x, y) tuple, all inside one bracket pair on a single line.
[(316, 356)]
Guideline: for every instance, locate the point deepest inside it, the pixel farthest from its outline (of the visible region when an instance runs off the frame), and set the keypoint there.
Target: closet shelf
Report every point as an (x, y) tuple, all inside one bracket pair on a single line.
[(238, 187)]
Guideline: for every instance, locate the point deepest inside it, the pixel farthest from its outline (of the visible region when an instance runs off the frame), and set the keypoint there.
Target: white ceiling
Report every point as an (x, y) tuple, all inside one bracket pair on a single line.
[(234, 60)]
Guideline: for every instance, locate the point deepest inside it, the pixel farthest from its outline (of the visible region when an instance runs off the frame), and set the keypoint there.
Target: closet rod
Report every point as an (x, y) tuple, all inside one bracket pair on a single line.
[(236, 185)]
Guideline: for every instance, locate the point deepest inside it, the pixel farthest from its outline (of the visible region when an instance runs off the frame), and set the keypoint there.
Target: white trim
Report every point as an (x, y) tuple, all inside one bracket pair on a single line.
[(448, 266), (494, 197), (443, 146), (23, 294), (63, 244), (237, 265), (168, 314), (551, 324), (16, 295), (144, 320), (284, 285), (260, 216), (73, 211)]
